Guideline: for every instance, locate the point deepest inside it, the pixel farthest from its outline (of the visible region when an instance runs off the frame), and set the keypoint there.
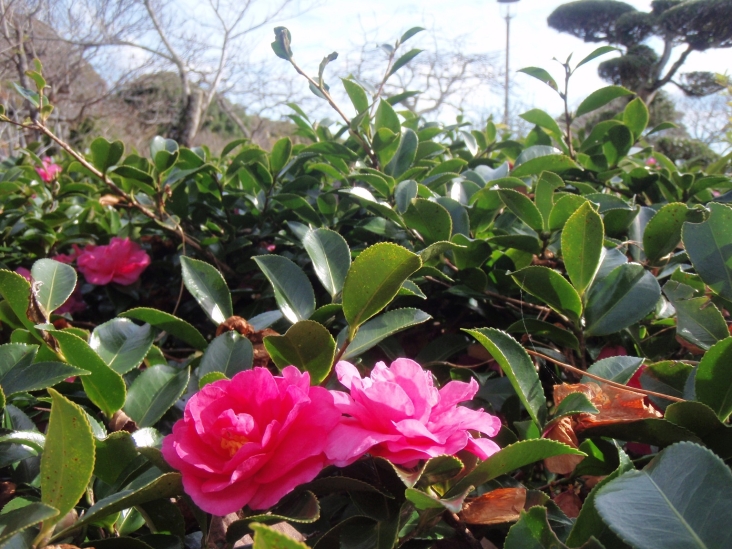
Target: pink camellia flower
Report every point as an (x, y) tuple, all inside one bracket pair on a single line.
[(121, 261), (398, 414), (25, 273), (49, 171), (252, 439)]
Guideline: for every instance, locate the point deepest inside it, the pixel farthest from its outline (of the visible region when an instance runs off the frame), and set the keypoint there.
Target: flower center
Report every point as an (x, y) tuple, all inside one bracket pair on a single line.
[(231, 442)]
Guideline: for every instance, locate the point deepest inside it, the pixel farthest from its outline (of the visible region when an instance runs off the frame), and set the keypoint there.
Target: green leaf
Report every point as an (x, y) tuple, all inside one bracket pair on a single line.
[(518, 367), (113, 454), (404, 155), (697, 319), (106, 154), (582, 240), (701, 420), (121, 343), (32, 439), (165, 486), (301, 207), (540, 74), (707, 245), (408, 34), (300, 507), (268, 538), (620, 299), (67, 462), (663, 232), (229, 353), (374, 279), (281, 44), (522, 207), (164, 153), (543, 119), (636, 116), (557, 163), (293, 292), (510, 458), (307, 345), (103, 386), (532, 531), (404, 193), (403, 60), (602, 50), (280, 155), (170, 324), (386, 117), (600, 98), (575, 403), (552, 288), (537, 328), (34, 377), (17, 520), (210, 378), (422, 500), (563, 209), (379, 328), (588, 523), (208, 287), (683, 498), (357, 95), (713, 382), (153, 392), (524, 242), (331, 258), (615, 368), (55, 282), (429, 219)]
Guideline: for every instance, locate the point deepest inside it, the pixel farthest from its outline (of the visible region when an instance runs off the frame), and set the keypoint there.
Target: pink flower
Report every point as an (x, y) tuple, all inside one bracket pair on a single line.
[(121, 261), (252, 439), (74, 304), (396, 413), (25, 273), (49, 171)]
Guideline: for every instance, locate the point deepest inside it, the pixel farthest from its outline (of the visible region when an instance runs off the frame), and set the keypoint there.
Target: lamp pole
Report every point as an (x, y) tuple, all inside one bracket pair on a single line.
[(508, 43)]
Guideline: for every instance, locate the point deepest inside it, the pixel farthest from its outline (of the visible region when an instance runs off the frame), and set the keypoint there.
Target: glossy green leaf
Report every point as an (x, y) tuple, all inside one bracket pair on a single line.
[(698, 320), (280, 155), (513, 457), (165, 486), (542, 75), (105, 154), (563, 209), (430, 219), (615, 368), (600, 98), (386, 117), (404, 193), (522, 207), (543, 119), (379, 328), (374, 279), (300, 207), (17, 520), (54, 283), (357, 95), (532, 531), (153, 392), (103, 386), (683, 498), (403, 60), (707, 245), (331, 258), (552, 288), (307, 345), (268, 538), (208, 287), (293, 292), (164, 153), (537, 328), (39, 375), (67, 462), (602, 50), (636, 116), (523, 242), (713, 382), (701, 420), (170, 324), (518, 367), (582, 240), (229, 353), (121, 343), (574, 403), (663, 232), (113, 454), (620, 299), (557, 163)]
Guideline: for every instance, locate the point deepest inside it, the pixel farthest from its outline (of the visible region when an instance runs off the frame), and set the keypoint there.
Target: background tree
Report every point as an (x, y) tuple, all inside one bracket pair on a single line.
[(693, 25)]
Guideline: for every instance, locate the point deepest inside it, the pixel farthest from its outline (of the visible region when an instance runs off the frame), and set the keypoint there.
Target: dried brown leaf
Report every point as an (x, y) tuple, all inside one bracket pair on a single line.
[(496, 507)]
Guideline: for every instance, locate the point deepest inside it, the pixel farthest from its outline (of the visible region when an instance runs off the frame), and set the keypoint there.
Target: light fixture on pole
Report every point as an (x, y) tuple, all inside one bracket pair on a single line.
[(508, 34)]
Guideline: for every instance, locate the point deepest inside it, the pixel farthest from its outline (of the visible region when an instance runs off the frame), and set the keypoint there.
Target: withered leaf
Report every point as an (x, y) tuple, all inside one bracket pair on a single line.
[(496, 507)]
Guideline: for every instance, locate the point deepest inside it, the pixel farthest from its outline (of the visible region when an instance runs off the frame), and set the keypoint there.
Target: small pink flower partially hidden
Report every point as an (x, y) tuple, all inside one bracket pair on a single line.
[(121, 261), (398, 414), (252, 439), (49, 171)]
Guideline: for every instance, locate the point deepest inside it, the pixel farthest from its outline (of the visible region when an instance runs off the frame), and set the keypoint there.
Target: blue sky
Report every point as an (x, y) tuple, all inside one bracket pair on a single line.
[(338, 25)]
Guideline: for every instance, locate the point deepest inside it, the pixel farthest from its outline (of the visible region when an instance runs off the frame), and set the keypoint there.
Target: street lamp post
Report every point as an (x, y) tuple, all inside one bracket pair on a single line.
[(508, 34)]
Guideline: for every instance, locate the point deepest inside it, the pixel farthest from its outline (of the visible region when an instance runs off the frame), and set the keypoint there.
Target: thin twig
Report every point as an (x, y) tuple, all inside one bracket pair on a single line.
[(602, 379)]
